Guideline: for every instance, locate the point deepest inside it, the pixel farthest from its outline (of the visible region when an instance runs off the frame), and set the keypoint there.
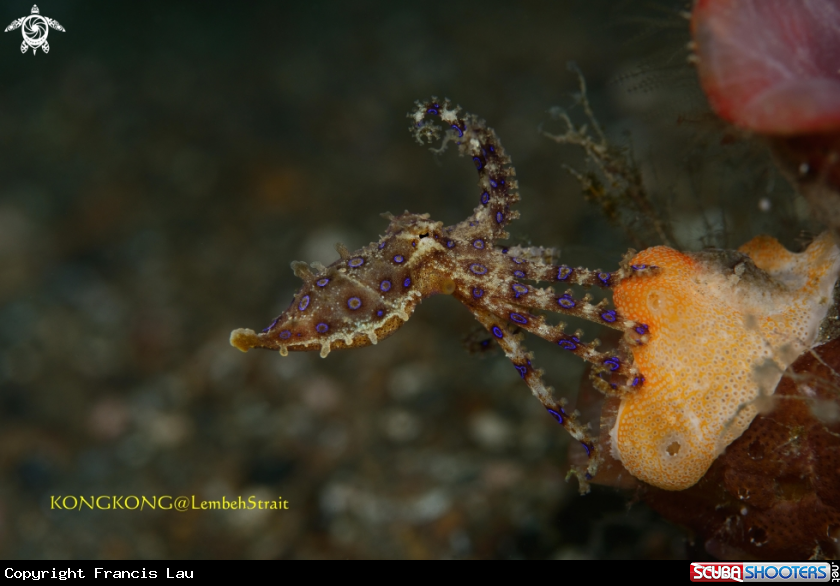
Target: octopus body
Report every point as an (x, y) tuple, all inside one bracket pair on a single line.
[(700, 330)]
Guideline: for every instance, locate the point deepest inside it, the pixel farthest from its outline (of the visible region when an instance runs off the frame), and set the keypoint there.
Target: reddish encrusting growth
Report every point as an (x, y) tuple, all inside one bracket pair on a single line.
[(771, 66)]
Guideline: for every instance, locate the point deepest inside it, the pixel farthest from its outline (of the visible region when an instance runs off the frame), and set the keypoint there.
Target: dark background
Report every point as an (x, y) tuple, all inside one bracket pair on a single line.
[(165, 162)]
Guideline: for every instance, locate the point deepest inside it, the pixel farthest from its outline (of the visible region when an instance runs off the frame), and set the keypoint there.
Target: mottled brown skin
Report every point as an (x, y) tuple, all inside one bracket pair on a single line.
[(367, 295), (245, 339)]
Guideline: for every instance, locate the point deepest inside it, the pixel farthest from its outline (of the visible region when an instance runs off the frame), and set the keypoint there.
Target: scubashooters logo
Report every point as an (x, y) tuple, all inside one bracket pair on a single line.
[(764, 572), (711, 572)]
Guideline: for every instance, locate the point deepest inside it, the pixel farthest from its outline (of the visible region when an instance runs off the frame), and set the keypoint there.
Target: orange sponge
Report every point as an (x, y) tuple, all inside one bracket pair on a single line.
[(723, 327)]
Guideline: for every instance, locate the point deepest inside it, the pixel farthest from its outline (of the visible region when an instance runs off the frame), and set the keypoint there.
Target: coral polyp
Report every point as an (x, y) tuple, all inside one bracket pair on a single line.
[(698, 329)]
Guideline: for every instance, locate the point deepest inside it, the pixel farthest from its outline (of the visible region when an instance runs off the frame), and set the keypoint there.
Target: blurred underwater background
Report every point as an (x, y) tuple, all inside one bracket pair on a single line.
[(163, 165)]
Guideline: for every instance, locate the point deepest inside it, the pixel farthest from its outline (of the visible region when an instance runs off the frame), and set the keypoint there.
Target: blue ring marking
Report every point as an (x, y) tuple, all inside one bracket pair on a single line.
[(354, 303), (479, 165), (519, 289), (567, 345), (380, 313), (322, 328), (563, 273), (497, 331), (322, 282), (477, 292), (382, 245), (523, 370), (518, 318), (484, 343), (385, 286), (432, 111), (609, 316), (638, 267), (501, 181), (478, 269), (493, 184), (637, 381), (587, 448), (500, 217), (398, 258), (478, 243), (460, 132), (414, 244), (304, 303), (517, 260), (356, 262), (605, 278), (485, 198), (566, 301), (407, 282), (274, 323), (285, 335), (613, 363), (519, 274), (557, 417), (641, 329), (490, 146), (450, 244)]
